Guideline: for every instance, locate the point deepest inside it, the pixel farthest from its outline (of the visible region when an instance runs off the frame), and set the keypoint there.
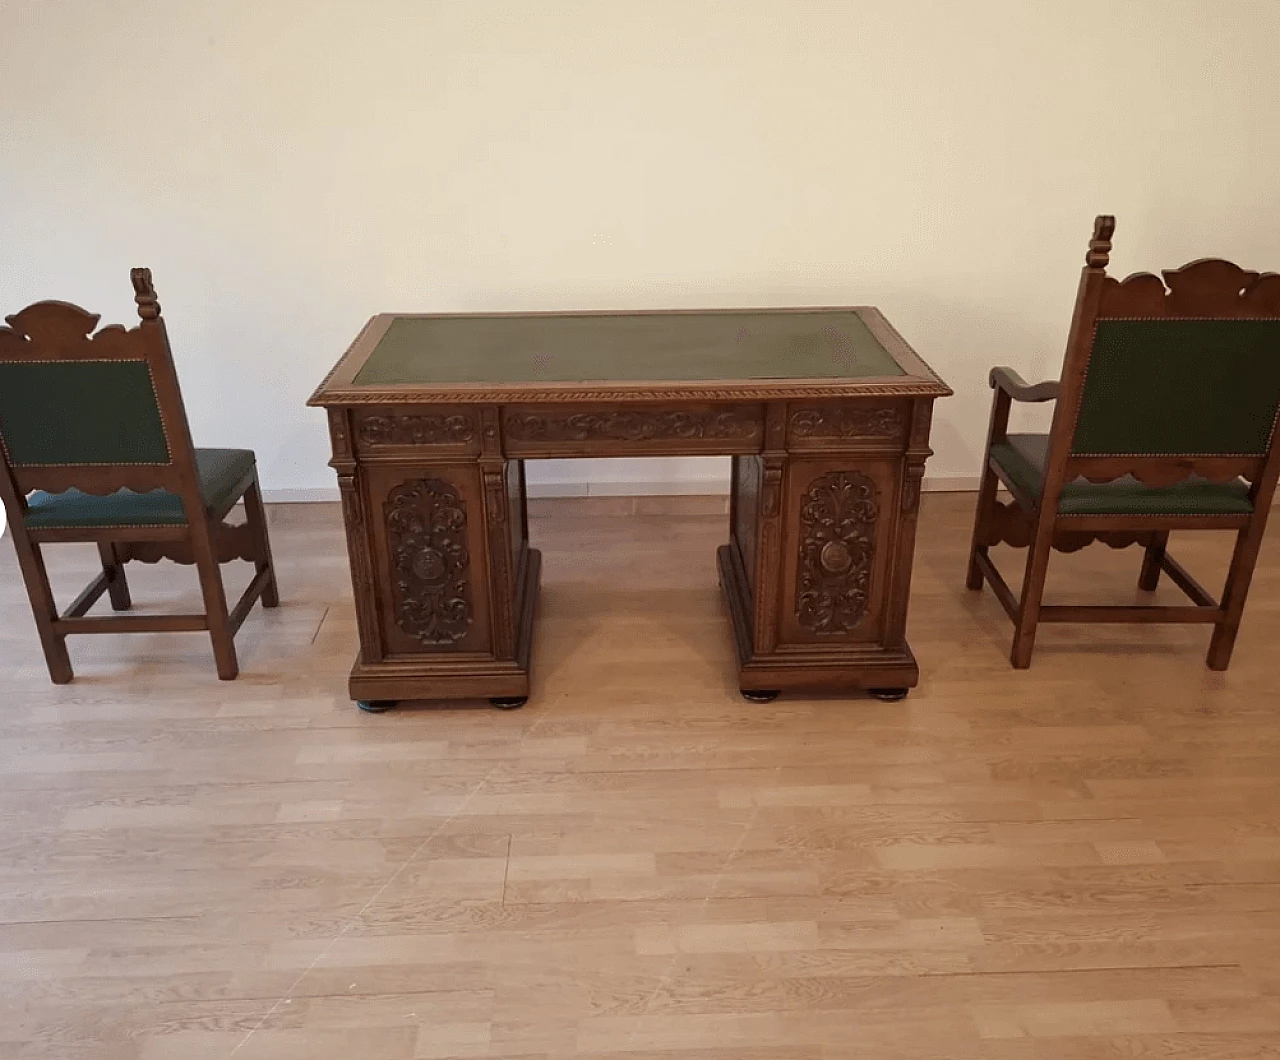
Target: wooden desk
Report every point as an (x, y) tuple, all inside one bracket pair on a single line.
[(826, 413)]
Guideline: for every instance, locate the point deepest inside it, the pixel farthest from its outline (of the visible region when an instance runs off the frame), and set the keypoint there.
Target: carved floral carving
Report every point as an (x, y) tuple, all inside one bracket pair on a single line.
[(838, 515), (416, 430), (633, 425), (848, 421), (427, 540)]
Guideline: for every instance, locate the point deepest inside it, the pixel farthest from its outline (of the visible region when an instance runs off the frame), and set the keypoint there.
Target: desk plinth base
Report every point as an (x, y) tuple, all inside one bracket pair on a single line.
[(839, 668), (442, 676)]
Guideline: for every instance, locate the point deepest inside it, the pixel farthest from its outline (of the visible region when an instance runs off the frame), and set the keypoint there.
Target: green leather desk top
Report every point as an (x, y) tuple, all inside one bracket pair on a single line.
[(578, 348), (540, 356)]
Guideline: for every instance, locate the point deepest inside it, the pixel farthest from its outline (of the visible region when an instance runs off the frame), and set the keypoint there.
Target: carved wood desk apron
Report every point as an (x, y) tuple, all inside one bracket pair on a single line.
[(826, 415)]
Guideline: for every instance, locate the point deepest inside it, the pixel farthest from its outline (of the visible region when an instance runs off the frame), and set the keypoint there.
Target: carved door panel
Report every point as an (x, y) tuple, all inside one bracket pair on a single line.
[(429, 550), (838, 544)]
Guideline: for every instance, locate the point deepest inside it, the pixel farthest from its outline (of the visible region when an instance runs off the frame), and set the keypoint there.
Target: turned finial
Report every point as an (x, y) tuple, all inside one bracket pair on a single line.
[(1104, 226), (144, 293)]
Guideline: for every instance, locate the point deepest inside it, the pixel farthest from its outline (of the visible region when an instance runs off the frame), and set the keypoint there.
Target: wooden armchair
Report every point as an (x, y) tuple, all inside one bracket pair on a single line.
[(1165, 420), (96, 447)]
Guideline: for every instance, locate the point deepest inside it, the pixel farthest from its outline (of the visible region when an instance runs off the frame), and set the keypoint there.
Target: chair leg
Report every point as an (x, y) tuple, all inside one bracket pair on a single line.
[(1239, 578), (215, 601), (118, 587), (981, 525), (1150, 576), (43, 608), (257, 516), (1024, 633)]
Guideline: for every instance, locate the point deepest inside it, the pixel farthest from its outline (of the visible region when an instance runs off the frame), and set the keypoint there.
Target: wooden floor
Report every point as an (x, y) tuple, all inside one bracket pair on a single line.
[(1077, 861)]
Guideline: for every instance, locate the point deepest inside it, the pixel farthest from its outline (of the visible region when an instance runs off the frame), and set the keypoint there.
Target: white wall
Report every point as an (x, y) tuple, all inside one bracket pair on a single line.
[(290, 167)]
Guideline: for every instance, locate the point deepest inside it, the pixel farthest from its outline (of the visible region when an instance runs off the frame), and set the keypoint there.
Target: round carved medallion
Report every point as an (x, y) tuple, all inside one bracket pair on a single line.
[(835, 557), (429, 565)]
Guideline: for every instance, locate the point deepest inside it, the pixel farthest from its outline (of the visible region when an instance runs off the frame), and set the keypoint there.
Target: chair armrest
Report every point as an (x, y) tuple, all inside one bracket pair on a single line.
[(1019, 389)]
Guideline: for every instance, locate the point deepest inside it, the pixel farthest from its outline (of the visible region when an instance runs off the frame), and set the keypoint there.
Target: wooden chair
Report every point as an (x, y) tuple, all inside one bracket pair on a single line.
[(96, 447), (1165, 420)]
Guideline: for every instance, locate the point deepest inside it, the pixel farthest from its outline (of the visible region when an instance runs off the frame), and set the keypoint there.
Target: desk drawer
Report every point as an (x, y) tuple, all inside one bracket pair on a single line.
[(850, 423), (631, 429), (396, 432)]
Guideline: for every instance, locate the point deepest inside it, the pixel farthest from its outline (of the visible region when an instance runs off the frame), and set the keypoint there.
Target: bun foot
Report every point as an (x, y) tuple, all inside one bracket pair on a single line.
[(509, 702), (758, 695), (375, 706), (887, 695)]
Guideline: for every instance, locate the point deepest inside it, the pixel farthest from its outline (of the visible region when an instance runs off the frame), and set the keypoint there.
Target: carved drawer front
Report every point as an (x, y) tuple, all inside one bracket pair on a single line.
[(850, 424), (631, 429), (429, 553), (393, 432), (841, 519)]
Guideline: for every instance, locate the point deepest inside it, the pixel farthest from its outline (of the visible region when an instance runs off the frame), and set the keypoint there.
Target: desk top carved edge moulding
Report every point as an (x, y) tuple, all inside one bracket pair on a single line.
[(824, 497)]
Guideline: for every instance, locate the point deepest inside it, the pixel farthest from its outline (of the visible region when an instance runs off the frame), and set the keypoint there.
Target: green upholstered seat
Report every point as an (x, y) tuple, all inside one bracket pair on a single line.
[(220, 470), (1023, 458)]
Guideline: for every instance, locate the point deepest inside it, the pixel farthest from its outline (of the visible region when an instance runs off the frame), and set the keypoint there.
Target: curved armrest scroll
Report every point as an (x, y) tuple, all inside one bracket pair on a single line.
[(1019, 389)]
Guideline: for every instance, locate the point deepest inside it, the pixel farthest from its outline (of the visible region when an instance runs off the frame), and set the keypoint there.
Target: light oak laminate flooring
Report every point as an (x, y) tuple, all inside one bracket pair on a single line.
[(1077, 861)]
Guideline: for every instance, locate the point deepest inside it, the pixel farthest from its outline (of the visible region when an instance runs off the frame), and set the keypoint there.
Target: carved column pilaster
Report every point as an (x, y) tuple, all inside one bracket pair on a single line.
[(502, 591), (768, 573), (356, 520), (911, 487), (917, 453)]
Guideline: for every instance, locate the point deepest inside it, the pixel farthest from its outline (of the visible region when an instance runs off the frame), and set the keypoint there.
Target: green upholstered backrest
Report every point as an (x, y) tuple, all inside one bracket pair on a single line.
[(80, 412), (1180, 387)]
